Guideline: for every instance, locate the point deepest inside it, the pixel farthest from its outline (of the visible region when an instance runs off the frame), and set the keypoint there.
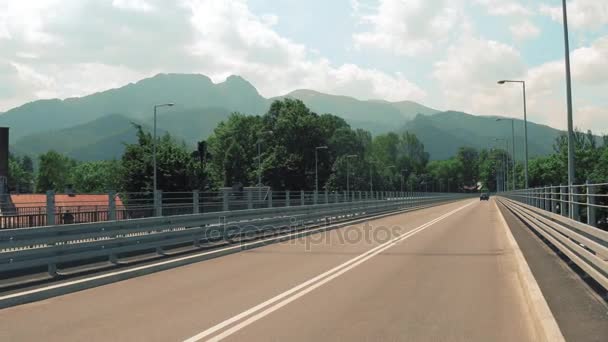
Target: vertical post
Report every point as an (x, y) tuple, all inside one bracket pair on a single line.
[(302, 198), (225, 206), (326, 196), (112, 205), (336, 199), (562, 201), (249, 199), (158, 203), (360, 196), (195, 202), (315, 197), (591, 209), (50, 208), (575, 215), (287, 199)]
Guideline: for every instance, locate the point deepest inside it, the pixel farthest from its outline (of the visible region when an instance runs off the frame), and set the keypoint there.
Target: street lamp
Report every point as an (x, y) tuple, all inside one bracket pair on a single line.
[(571, 174), (402, 171), (512, 148), (317, 166), (348, 172), (259, 143), (523, 83), (389, 168), (505, 162), (155, 180)]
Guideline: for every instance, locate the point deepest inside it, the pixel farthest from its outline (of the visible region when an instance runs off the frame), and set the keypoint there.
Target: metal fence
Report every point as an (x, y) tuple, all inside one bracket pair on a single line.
[(38, 210), (586, 203), (70, 249), (545, 212)]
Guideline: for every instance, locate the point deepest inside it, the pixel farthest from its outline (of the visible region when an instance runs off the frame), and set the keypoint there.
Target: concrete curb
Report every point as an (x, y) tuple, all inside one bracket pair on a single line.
[(544, 322), (55, 290)]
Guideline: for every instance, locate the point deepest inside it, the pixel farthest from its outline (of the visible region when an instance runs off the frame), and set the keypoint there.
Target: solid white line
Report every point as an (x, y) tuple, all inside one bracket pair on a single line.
[(312, 284), (193, 256)]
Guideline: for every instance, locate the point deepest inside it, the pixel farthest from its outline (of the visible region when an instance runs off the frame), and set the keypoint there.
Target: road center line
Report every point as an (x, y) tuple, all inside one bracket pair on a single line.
[(306, 287)]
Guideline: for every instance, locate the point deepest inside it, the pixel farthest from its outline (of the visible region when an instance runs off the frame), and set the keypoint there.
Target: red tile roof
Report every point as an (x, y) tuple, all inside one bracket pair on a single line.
[(81, 201)]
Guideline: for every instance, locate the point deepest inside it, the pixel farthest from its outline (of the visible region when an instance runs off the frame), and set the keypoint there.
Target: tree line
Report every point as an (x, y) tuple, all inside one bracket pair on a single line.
[(283, 148)]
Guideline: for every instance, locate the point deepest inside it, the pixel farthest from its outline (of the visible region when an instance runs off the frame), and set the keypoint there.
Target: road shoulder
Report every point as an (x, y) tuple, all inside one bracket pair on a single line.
[(579, 313)]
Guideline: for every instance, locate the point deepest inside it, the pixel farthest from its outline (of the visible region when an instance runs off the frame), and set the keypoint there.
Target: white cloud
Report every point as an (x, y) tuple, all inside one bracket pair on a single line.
[(409, 27), (582, 14), (504, 7), (82, 46), (524, 30), (135, 5), (468, 75), (468, 82)]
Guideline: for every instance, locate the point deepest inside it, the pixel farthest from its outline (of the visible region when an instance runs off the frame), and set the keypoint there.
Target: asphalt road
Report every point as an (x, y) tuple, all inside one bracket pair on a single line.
[(439, 274)]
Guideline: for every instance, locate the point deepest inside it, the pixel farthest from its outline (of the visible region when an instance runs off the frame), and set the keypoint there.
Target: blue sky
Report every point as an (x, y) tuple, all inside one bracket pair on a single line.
[(446, 54)]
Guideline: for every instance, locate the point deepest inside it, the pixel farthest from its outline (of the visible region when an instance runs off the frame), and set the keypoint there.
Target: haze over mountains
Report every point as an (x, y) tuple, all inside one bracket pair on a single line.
[(96, 126)]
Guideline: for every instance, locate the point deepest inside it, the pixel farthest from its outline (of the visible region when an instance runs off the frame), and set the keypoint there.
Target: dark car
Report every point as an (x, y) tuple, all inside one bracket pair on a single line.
[(484, 197)]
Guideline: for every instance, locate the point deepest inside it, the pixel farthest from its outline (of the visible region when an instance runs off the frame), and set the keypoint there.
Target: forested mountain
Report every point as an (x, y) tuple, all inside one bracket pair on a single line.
[(97, 126)]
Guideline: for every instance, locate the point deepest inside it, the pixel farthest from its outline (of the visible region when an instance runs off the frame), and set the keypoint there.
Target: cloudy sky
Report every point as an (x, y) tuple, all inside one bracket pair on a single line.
[(447, 54)]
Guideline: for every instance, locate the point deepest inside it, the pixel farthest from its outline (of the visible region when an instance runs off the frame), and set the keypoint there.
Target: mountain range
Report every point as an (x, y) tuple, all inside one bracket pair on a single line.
[(97, 126)]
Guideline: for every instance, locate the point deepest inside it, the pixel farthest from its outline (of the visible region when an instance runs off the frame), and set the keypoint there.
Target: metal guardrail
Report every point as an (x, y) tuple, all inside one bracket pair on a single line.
[(584, 202), (58, 249), (37, 210), (584, 244)]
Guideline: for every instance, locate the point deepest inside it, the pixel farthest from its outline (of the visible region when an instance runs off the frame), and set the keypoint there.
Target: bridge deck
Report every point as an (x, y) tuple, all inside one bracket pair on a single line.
[(454, 279)]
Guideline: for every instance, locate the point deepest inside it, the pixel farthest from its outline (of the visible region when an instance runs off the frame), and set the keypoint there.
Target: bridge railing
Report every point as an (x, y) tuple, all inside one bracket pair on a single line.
[(556, 215), (27, 211), (586, 203), (65, 249)]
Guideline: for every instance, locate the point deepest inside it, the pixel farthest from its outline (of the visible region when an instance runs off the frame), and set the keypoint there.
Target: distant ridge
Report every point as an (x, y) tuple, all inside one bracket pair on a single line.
[(96, 126)]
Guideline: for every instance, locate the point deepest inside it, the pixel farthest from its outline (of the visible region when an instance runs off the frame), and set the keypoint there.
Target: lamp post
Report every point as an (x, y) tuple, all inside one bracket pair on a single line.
[(512, 149), (402, 178), (317, 166), (505, 158), (523, 83), (155, 179), (571, 171), (259, 143), (348, 172)]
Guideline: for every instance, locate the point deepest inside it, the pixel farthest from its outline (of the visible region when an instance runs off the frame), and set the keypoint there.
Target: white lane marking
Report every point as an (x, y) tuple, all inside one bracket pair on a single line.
[(189, 257), (312, 283)]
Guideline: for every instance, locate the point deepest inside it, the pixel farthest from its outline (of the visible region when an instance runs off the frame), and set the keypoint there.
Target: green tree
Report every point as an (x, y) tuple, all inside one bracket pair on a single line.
[(97, 176), (21, 175), (54, 172), (177, 169), (469, 158)]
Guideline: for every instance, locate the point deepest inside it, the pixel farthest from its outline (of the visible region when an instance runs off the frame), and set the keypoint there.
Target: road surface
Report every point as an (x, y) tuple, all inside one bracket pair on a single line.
[(440, 274)]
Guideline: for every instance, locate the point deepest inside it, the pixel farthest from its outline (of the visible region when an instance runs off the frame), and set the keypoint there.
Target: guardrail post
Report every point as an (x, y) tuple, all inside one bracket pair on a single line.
[(225, 206), (316, 197), (573, 199), (195, 202), (345, 196), (158, 203), (562, 201), (249, 200), (591, 209), (50, 208), (302, 198), (336, 199), (112, 205), (287, 199), (546, 204), (360, 196), (326, 196)]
